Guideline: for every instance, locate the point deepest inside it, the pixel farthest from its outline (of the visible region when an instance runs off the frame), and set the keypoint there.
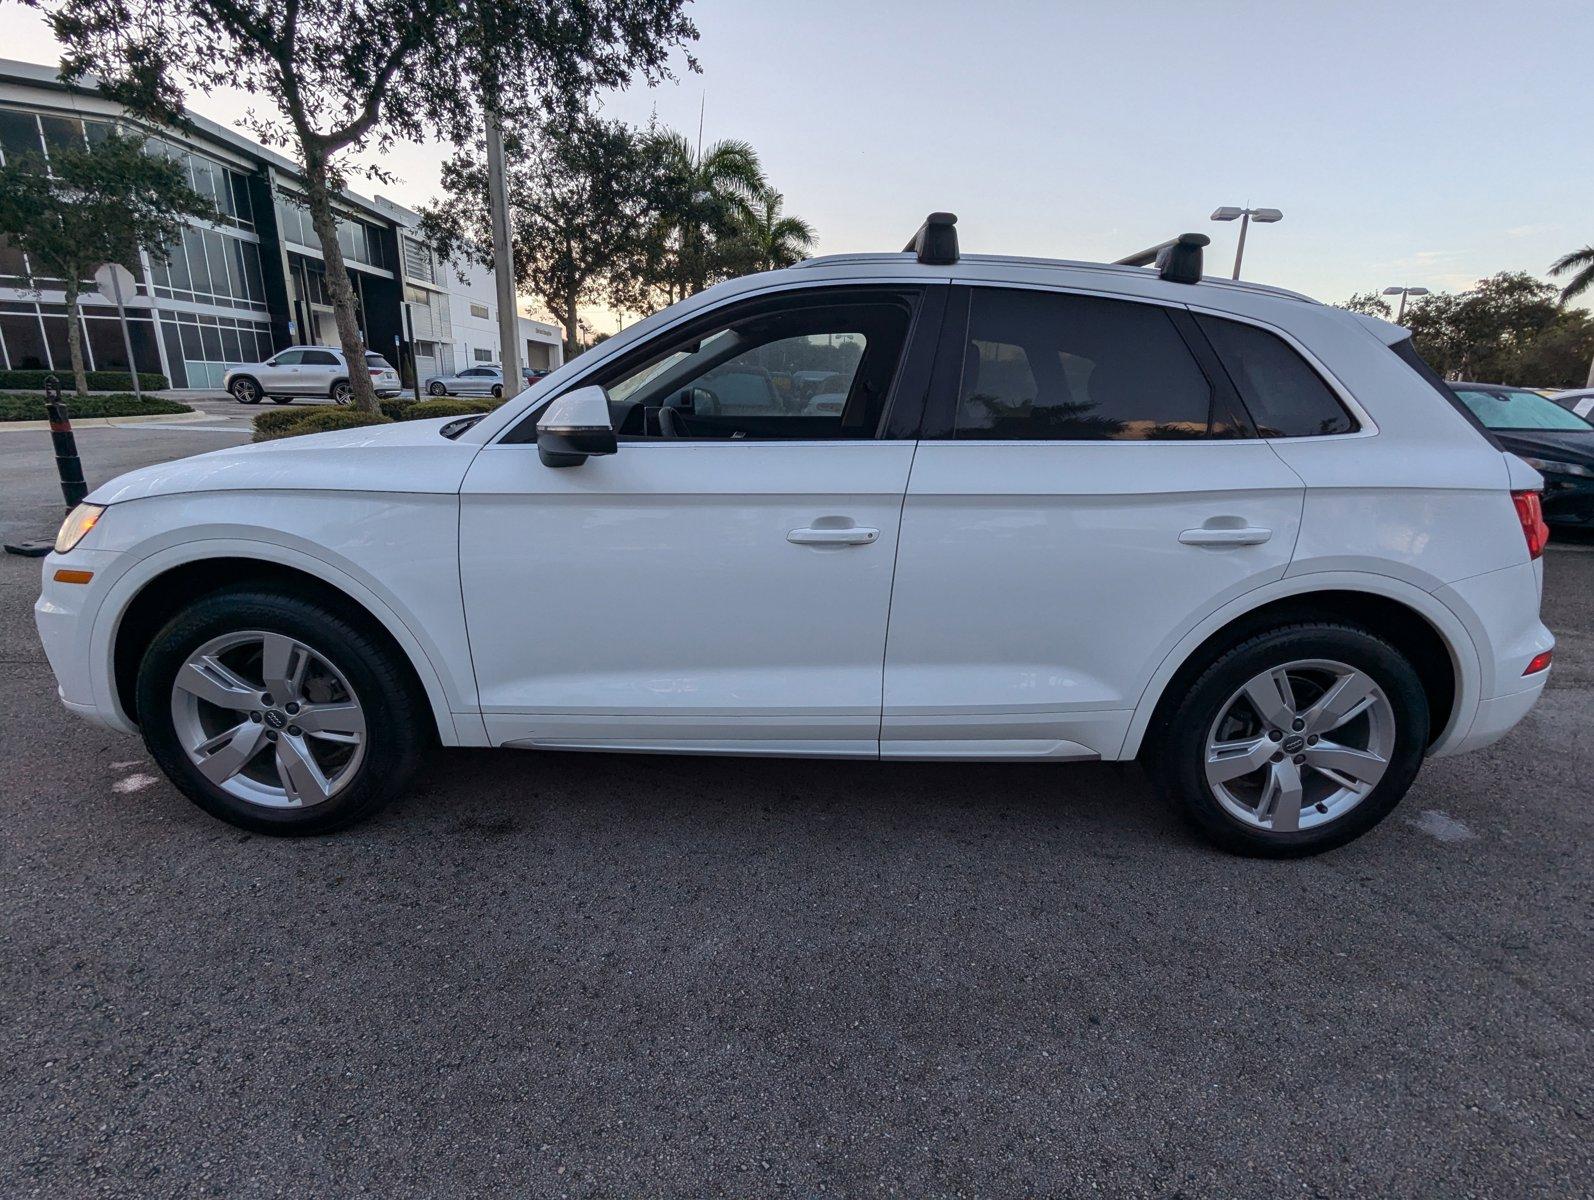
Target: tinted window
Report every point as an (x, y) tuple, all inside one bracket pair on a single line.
[(1287, 398), (376, 360), (320, 358), (1519, 410), (1042, 365), (288, 358), (758, 377)]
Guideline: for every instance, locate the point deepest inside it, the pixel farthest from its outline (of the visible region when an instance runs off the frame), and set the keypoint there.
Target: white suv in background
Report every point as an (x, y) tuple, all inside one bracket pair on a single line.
[(1064, 512), (306, 371)]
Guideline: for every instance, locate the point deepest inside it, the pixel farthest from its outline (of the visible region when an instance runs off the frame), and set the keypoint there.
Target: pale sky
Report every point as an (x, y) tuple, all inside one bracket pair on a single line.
[(1423, 143)]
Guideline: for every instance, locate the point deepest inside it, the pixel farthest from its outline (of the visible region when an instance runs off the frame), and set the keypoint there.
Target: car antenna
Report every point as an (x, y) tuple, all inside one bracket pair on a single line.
[(936, 242), (1177, 260)]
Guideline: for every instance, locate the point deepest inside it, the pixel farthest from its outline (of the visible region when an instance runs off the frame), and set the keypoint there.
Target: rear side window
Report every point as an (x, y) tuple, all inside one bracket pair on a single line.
[(1044, 366), (319, 358), (1286, 397)]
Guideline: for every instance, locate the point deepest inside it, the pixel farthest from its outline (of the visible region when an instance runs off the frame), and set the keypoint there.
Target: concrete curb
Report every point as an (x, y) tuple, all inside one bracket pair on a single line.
[(112, 422)]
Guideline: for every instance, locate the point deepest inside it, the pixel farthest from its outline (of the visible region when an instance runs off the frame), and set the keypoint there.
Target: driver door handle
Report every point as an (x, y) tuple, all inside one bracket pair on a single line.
[(853, 535)]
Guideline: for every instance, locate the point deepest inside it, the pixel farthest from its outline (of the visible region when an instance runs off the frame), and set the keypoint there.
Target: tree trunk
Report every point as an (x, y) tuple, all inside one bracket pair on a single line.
[(319, 195), (1590, 381), (572, 324), (74, 337)]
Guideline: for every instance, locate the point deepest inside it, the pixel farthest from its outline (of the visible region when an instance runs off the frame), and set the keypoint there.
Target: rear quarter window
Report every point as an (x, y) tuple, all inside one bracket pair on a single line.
[(1284, 393)]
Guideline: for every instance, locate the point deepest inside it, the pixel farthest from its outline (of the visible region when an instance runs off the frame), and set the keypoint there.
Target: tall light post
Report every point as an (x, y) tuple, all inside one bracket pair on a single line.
[(1245, 216), (1404, 292)]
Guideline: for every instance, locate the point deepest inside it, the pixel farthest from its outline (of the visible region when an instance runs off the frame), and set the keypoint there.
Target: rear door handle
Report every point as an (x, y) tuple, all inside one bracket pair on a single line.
[(852, 535), (1248, 535)]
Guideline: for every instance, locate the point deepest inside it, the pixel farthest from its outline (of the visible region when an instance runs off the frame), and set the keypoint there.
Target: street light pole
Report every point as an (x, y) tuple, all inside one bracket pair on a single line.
[(1404, 292), (1265, 216), (503, 260)]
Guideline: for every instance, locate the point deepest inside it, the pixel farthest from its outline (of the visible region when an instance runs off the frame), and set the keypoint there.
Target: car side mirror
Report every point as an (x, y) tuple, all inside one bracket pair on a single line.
[(575, 427)]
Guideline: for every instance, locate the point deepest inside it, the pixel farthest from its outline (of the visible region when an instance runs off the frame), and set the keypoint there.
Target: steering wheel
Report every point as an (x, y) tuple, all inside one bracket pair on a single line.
[(670, 423)]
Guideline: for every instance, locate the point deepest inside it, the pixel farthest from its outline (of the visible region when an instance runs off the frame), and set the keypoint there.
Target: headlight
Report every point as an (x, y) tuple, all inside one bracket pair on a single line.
[(78, 522), (1550, 466)]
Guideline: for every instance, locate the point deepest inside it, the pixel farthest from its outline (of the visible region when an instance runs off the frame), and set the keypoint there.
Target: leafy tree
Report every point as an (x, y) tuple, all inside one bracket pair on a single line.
[(94, 204), (1481, 334), (581, 202), (705, 201), (1559, 355), (1581, 264), (772, 240), (339, 78), (1369, 304)]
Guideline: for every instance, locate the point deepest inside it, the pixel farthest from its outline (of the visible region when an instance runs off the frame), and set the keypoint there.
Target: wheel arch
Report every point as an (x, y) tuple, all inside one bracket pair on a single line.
[(1414, 622), (157, 597)]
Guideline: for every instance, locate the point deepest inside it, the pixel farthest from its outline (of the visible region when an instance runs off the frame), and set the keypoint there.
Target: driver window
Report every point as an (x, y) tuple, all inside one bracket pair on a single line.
[(822, 370)]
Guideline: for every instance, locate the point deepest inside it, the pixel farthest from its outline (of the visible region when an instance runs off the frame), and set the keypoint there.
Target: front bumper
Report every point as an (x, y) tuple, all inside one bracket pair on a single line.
[(64, 615)]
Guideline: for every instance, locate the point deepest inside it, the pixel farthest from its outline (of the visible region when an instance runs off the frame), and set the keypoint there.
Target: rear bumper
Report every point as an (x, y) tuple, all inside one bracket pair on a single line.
[(1501, 612)]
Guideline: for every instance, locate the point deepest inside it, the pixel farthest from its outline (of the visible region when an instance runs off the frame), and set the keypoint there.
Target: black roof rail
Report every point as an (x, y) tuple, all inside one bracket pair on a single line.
[(1177, 260), (936, 242)]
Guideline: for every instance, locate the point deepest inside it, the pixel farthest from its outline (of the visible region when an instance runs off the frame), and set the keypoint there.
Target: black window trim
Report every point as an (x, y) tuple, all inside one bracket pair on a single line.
[(904, 403), (940, 414)]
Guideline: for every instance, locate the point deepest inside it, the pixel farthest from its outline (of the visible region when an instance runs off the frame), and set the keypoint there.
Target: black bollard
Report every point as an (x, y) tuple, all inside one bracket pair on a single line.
[(67, 463)]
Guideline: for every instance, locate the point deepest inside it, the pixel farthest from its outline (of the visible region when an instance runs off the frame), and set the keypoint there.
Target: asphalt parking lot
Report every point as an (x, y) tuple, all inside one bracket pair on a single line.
[(570, 975)]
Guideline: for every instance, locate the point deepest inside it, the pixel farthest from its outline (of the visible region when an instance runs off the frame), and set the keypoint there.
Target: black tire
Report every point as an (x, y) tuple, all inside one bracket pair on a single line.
[(398, 723), (245, 391), (342, 392), (1176, 750), (436, 389), (282, 399), (498, 391)]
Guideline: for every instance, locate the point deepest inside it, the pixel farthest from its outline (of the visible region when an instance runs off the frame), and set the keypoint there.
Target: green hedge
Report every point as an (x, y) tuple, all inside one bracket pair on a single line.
[(29, 406), (99, 381), (428, 409), (394, 410), (274, 419), (313, 420)]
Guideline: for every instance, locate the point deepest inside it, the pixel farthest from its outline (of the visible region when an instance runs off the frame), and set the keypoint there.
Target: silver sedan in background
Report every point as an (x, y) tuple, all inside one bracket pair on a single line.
[(472, 381)]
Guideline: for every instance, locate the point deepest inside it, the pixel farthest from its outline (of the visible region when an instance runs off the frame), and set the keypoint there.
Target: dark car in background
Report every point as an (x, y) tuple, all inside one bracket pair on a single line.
[(1553, 440)]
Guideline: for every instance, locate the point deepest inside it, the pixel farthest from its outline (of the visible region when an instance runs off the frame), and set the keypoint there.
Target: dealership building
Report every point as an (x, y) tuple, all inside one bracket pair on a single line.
[(253, 283)]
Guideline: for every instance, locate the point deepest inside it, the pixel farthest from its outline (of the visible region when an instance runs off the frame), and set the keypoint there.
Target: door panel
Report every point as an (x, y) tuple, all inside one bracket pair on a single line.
[(1038, 586), (1086, 493), (655, 598)]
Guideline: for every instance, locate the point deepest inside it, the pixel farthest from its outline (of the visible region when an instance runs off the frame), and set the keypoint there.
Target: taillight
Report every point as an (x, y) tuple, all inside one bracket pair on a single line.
[(1541, 662), (375, 371), (1530, 512)]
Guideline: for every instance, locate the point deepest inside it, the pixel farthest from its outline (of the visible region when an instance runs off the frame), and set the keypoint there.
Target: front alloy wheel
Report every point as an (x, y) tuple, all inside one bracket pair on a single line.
[(246, 391), (437, 389), (268, 720)]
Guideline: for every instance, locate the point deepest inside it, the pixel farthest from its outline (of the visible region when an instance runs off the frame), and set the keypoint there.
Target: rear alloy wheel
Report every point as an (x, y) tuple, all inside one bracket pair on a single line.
[(342, 392), (245, 391), (1296, 740), (437, 389), (278, 714)]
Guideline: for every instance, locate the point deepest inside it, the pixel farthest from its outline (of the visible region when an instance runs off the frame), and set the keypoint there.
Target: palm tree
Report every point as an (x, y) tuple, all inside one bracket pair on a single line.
[(707, 199), (774, 241), (1581, 262)]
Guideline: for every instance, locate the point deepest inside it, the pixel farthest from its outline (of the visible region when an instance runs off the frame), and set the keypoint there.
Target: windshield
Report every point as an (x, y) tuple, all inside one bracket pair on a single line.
[(1520, 409)]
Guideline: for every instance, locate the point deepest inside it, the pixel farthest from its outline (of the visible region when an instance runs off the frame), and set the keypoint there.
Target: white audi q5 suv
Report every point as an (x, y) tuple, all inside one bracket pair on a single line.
[(1064, 511)]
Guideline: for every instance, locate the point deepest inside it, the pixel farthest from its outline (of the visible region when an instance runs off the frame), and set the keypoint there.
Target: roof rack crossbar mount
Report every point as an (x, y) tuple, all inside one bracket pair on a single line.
[(936, 242), (1177, 260)]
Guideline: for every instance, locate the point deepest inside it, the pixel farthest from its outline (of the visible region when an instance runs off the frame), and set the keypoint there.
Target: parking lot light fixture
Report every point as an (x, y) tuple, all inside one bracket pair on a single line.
[(1245, 216), (1403, 293)]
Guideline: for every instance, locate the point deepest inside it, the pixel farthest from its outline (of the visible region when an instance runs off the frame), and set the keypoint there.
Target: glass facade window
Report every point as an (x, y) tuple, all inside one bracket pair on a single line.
[(33, 337), (200, 348), (359, 242), (19, 134), (208, 267)]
